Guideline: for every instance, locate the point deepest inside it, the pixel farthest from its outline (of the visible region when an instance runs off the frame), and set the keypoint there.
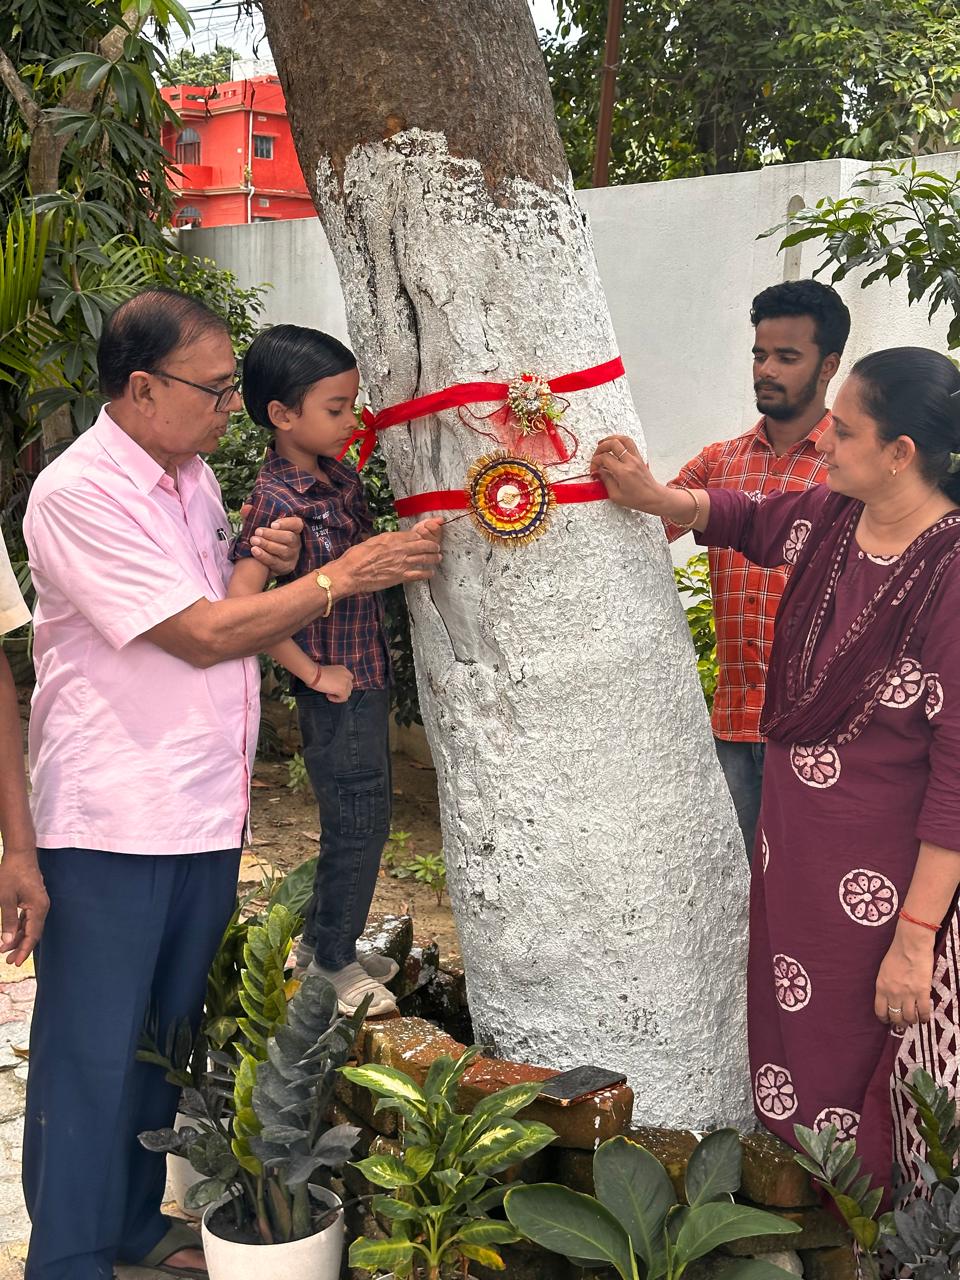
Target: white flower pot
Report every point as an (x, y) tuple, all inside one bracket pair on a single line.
[(181, 1174), (316, 1258)]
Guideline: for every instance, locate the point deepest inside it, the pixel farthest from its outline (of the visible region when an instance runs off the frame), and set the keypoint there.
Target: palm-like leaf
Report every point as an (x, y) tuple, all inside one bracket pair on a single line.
[(25, 330)]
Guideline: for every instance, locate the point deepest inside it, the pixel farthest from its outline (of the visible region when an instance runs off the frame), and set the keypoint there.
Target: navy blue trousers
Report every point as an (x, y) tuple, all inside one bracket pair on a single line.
[(346, 749), (128, 937)]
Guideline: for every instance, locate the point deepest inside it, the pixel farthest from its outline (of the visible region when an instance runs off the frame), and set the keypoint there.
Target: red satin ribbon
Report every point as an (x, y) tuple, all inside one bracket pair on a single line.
[(419, 504), (463, 393)]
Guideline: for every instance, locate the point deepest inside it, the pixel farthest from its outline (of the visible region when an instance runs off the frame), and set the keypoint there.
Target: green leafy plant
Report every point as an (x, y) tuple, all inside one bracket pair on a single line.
[(223, 1008), (921, 1237), (442, 1183), (394, 851), (635, 1223), (836, 1167), (259, 1127), (430, 869), (914, 233), (693, 582), (717, 86), (297, 777), (285, 1138)]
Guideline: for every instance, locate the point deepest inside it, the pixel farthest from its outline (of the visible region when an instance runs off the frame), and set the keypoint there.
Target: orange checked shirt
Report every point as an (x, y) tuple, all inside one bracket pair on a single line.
[(745, 597)]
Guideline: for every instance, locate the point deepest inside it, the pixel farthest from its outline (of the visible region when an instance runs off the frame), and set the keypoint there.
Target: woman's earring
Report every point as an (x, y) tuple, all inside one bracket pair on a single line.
[(893, 471)]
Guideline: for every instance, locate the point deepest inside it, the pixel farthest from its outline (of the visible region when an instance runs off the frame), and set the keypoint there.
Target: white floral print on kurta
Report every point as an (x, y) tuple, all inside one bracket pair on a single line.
[(845, 1121), (799, 532), (791, 982), (774, 1092), (816, 766), (903, 686), (868, 897), (934, 703)]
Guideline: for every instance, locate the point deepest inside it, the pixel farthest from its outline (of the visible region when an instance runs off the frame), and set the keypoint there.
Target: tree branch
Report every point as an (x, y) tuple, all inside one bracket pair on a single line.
[(19, 92)]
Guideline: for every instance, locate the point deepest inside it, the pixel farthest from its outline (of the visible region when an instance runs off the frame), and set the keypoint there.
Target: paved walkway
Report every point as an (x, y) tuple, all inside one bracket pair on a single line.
[(17, 990)]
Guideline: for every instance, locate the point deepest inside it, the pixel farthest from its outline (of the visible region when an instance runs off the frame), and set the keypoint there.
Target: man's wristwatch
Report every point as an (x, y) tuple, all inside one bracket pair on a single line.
[(324, 582)]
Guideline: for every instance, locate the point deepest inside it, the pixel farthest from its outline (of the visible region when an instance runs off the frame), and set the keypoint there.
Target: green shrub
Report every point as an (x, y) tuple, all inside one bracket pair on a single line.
[(693, 582)]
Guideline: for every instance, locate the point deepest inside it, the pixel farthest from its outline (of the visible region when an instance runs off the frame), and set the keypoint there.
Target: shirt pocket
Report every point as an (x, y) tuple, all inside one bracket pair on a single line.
[(332, 532)]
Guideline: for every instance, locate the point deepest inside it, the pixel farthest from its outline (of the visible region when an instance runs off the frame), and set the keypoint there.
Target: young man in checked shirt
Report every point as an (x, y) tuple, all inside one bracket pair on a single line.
[(801, 328), (301, 385)]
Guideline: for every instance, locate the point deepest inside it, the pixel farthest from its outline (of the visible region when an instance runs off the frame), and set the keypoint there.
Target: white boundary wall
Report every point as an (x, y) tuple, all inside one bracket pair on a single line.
[(680, 262)]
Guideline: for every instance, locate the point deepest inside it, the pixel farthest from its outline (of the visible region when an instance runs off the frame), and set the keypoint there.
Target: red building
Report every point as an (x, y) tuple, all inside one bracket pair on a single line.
[(235, 154)]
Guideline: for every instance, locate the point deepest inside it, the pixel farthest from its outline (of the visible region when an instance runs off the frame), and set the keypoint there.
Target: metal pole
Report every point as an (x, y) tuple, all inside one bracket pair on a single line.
[(608, 89)]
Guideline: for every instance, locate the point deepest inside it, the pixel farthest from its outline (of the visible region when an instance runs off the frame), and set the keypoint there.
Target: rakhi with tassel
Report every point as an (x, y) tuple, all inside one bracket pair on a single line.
[(527, 422)]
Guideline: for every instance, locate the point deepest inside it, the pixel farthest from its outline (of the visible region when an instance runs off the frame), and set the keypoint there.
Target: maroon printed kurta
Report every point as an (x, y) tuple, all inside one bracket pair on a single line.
[(839, 832)]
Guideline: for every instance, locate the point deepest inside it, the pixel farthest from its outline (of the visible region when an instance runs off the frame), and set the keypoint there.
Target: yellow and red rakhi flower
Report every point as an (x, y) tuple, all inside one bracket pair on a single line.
[(510, 499)]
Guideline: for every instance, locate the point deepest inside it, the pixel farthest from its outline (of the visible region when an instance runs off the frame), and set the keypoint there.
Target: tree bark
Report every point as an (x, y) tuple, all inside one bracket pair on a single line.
[(595, 868)]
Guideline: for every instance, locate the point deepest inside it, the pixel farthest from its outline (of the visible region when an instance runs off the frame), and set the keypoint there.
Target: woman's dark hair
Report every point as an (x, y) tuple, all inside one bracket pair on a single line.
[(910, 391), (824, 306), (145, 329), (284, 362)]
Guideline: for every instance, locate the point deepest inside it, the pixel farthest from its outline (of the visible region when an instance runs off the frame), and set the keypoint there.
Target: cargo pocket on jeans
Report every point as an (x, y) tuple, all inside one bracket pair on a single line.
[(363, 803)]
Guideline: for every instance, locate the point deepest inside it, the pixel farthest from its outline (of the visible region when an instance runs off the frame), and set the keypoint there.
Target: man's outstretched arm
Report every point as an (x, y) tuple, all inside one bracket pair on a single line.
[(23, 899)]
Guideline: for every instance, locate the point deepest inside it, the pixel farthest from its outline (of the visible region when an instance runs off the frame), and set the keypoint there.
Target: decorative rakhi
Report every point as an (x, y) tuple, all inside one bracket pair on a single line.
[(509, 499), (527, 421)]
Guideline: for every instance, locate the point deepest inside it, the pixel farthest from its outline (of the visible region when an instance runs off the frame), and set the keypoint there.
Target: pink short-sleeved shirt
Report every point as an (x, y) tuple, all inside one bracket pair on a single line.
[(132, 750)]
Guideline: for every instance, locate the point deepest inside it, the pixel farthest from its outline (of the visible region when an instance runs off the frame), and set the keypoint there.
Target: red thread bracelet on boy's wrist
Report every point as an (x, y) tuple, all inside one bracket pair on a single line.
[(315, 682), (934, 928)]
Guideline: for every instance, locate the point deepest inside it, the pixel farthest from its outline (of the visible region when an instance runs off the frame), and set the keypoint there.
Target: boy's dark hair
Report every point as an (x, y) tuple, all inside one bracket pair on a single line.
[(284, 362), (807, 298), (145, 329)]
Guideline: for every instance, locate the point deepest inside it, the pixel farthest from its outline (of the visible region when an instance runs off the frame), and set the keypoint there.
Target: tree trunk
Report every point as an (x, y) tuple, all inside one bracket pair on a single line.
[(595, 868)]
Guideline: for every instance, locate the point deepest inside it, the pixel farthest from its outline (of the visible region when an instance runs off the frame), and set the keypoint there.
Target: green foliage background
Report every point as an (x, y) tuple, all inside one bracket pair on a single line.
[(718, 86)]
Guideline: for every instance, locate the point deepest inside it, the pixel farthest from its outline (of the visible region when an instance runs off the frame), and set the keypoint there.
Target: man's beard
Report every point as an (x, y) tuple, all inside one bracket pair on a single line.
[(788, 409)]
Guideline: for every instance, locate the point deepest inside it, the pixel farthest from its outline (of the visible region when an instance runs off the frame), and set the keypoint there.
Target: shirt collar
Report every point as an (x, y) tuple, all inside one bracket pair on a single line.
[(134, 461), (806, 445), (336, 475)]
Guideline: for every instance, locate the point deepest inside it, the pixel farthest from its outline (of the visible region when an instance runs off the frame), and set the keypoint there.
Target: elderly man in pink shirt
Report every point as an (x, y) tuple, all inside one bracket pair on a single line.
[(142, 740)]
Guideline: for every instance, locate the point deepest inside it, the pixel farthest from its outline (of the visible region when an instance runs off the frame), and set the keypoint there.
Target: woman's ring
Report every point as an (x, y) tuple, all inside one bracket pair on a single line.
[(891, 1009), (619, 455)]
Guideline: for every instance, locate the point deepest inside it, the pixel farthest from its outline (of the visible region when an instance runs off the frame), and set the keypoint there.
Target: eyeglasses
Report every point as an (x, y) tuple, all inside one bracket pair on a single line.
[(223, 396)]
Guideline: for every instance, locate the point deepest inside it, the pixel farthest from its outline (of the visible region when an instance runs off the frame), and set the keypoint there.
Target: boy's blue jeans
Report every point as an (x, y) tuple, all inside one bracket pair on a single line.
[(347, 754)]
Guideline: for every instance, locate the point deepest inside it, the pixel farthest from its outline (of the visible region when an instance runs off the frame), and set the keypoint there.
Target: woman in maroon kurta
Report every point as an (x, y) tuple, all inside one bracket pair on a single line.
[(854, 970)]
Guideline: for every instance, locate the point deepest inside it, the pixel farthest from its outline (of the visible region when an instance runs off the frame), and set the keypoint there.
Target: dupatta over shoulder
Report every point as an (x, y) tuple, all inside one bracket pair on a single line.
[(838, 702)]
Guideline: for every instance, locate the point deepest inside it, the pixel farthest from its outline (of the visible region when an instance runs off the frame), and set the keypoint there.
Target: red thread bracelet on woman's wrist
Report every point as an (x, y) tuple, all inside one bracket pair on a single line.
[(934, 928)]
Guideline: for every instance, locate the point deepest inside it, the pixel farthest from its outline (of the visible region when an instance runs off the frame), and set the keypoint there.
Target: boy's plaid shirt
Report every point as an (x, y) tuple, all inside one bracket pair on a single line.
[(335, 517), (746, 597)]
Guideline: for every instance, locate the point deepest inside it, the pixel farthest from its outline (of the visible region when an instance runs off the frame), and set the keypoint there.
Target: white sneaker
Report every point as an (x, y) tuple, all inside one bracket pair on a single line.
[(382, 968), (352, 985)]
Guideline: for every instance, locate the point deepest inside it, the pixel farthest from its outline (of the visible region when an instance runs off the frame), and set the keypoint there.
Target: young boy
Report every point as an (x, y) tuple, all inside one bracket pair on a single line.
[(300, 385)]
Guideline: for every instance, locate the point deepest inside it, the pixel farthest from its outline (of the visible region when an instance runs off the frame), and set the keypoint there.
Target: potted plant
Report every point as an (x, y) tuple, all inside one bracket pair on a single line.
[(636, 1224), (223, 1010), (920, 1237), (261, 1137), (442, 1184)]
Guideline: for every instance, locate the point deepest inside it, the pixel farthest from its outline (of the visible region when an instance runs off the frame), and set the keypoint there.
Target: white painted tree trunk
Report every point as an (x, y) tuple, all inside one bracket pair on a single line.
[(595, 867)]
